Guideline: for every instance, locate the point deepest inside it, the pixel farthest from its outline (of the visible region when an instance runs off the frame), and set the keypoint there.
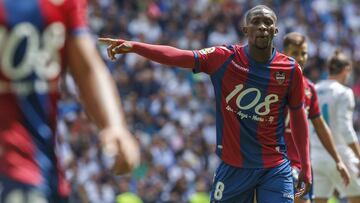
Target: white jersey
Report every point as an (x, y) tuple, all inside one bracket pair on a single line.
[(337, 104)]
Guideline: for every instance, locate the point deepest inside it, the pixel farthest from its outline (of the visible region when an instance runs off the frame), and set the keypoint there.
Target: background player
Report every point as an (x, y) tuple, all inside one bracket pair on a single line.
[(337, 105), (38, 39), (251, 86), (295, 46)]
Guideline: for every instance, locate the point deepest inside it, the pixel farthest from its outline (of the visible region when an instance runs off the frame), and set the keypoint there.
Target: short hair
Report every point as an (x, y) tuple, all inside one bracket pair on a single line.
[(293, 38), (255, 8), (338, 62)]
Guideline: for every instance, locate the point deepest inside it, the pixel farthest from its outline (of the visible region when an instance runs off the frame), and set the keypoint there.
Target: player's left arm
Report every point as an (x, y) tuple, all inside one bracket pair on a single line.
[(299, 127), (345, 108), (325, 137)]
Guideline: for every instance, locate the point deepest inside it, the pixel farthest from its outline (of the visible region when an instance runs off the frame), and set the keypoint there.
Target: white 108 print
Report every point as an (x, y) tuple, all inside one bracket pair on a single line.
[(261, 108), (41, 54)]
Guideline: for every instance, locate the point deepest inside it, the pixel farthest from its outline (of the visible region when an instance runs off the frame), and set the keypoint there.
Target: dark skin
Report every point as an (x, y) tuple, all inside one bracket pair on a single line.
[(260, 29)]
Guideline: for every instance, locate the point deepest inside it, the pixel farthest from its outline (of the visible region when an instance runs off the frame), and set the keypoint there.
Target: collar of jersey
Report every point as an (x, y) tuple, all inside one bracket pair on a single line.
[(256, 63)]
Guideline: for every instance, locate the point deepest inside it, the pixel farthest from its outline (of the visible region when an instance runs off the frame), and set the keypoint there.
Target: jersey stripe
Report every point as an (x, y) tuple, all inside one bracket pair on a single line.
[(30, 12), (261, 73), (217, 80), (42, 136)]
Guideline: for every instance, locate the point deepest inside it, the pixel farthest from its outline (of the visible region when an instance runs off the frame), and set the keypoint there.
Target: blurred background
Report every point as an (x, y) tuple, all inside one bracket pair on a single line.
[(172, 111)]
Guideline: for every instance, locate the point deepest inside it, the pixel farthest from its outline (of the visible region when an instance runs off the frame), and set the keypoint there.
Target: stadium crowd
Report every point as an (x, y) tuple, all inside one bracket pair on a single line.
[(172, 111)]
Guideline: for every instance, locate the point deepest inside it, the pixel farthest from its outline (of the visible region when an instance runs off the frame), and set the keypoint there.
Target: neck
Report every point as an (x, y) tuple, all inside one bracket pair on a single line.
[(260, 55), (338, 78)]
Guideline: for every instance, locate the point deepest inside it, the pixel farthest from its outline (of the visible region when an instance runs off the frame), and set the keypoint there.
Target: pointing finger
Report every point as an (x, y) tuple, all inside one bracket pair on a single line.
[(106, 40)]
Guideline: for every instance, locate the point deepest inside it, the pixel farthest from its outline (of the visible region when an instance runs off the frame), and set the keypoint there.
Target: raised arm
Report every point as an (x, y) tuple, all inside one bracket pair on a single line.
[(99, 96), (162, 54)]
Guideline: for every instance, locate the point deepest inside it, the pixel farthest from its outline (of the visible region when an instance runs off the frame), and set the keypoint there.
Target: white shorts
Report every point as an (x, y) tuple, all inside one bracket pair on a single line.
[(327, 178)]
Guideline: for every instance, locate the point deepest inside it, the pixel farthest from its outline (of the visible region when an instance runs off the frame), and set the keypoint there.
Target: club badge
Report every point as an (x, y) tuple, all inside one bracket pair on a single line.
[(280, 77)]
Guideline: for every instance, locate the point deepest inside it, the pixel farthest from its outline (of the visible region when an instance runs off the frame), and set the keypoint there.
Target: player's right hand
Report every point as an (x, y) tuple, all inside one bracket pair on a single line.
[(340, 166), (116, 46), (303, 186), (121, 146)]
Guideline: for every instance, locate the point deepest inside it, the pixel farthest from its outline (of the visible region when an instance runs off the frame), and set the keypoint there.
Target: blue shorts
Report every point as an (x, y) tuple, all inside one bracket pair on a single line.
[(310, 194), (238, 185), (14, 191)]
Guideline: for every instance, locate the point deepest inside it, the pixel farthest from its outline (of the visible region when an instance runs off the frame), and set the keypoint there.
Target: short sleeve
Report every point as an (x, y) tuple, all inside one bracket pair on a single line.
[(296, 89), (314, 110), (209, 60), (76, 13)]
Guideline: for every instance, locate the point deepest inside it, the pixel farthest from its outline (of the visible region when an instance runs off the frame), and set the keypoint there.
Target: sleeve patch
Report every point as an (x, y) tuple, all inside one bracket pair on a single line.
[(207, 50)]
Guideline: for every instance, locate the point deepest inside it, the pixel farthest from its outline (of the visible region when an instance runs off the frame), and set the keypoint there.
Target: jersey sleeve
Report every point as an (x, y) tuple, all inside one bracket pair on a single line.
[(345, 108), (296, 89), (209, 60), (76, 13), (314, 110)]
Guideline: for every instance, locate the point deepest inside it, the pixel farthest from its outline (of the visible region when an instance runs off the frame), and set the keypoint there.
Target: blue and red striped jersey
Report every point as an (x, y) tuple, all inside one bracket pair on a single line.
[(33, 37), (312, 110), (251, 99)]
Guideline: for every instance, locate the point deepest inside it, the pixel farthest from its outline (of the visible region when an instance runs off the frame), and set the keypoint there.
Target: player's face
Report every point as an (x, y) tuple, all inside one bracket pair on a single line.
[(298, 52), (260, 29)]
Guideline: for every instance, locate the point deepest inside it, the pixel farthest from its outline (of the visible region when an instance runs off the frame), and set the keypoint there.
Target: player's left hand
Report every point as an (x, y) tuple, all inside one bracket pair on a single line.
[(340, 166), (303, 187)]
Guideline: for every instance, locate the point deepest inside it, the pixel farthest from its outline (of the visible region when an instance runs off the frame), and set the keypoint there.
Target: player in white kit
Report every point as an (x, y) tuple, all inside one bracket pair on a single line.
[(337, 105)]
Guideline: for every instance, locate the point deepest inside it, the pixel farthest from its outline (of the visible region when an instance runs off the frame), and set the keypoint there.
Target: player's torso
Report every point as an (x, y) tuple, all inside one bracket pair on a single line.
[(330, 92), (256, 92), (32, 40), (253, 99)]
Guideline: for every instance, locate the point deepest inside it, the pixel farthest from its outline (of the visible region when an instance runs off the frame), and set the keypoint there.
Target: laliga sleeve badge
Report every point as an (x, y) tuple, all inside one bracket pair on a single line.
[(207, 50), (280, 77)]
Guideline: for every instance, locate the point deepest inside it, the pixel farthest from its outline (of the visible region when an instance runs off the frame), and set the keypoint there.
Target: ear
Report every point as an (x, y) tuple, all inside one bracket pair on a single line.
[(245, 30), (276, 31)]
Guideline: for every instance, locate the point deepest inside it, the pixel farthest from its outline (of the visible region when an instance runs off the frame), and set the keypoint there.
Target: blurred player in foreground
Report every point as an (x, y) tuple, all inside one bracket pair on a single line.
[(337, 105), (38, 39), (295, 46), (253, 84)]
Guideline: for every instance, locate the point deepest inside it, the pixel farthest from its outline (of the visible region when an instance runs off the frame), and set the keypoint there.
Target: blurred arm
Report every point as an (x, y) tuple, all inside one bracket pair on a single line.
[(324, 134), (97, 89), (345, 121), (355, 147)]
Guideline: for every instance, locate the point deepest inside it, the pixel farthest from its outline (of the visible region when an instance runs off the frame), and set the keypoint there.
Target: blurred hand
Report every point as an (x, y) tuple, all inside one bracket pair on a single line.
[(303, 187), (116, 46), (122, 147), (340, 166)]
